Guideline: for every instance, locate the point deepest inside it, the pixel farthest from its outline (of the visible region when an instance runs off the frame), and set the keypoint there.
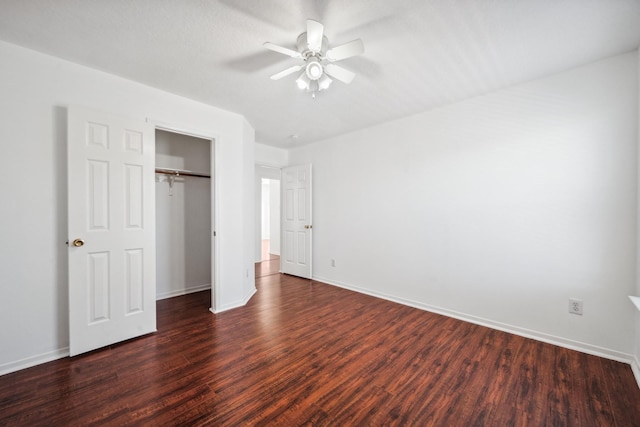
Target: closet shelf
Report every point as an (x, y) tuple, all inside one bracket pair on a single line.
[(181, 172)]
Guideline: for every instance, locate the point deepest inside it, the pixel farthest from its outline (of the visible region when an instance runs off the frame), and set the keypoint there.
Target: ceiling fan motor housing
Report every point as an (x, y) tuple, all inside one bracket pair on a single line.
[(304, 50)]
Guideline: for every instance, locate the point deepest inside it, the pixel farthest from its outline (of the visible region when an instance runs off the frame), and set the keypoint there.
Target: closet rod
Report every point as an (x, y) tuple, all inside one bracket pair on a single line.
[(180, 172)]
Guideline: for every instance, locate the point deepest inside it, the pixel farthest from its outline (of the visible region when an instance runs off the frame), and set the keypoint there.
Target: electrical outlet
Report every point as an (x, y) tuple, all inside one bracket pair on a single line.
[(575, 306), (333, 262)]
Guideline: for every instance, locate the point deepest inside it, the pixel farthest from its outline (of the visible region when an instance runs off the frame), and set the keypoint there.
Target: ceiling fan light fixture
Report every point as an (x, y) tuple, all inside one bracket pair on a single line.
[(313, 87), (318, 68), (314, 69), (324, 82), (303, 81)]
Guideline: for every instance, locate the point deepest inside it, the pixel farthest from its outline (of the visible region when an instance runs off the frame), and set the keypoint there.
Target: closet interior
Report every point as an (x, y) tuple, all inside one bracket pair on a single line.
[(183, 214)]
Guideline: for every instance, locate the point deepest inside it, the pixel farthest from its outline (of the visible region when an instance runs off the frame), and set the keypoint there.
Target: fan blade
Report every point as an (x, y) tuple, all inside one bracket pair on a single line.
[(315, 32), (339, 73), (344, 51), (284, 50), (286, 72)]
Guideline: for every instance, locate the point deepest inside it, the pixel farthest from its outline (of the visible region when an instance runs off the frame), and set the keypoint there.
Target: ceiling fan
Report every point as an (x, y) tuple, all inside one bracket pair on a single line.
[(318, 69)]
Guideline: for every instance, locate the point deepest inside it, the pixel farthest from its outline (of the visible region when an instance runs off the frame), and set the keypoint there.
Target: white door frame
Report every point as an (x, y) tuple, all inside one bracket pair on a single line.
[(214, 142)]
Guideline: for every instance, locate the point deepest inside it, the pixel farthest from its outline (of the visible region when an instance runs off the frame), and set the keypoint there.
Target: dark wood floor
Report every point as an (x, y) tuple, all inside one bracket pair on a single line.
[(266, 268), (306, 353)]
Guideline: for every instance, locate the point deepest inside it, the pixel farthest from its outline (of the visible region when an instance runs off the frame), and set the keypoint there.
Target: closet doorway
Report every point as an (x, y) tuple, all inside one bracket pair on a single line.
[(184, 214)]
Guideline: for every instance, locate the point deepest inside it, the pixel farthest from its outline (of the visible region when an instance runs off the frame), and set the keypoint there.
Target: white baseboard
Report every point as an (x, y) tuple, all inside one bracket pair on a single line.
[(635, 367), (185, 291), (516, 330), (561, 342), (30, 361), (237, 304)]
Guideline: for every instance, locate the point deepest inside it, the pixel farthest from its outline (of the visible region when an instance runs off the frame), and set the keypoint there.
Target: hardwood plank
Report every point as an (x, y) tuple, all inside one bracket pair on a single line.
[(624, 393), (305, 353), (588, 380), (533, 385)]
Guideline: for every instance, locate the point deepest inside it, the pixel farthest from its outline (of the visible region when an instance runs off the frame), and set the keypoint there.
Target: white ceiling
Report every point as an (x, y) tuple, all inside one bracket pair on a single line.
[(419, 54)]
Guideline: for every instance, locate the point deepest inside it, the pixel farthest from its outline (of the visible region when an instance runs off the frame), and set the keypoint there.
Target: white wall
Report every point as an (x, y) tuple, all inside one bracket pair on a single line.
[(183, 216), (33, 257), (247, 227), (271, 156), (496, 209), (636, 362)]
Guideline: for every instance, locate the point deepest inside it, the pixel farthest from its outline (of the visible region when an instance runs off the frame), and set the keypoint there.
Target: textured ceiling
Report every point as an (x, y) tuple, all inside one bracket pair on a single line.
[(419, 54)]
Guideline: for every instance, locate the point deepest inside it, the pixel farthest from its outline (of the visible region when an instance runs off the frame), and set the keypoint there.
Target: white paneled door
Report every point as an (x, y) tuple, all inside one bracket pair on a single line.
[(111, 229), (297, 230)]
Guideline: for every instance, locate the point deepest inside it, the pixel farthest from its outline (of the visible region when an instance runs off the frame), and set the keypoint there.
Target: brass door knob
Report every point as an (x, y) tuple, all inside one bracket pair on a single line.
[(78, 242), (308, 227)]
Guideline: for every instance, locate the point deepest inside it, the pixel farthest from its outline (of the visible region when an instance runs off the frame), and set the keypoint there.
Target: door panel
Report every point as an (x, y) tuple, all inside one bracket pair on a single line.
[(133, 197), (98, 283), (98, 195), (134, 280), (296, 221), (112, 221)]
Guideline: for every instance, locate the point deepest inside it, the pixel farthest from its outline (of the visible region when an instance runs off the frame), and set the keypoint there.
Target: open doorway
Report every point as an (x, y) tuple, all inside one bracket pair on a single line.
[(270, 220), (268, 233), (269, 228)]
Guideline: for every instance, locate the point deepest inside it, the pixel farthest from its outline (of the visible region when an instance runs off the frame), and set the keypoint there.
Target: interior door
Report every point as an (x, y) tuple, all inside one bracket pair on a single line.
[(297, 228), (111, 229)]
